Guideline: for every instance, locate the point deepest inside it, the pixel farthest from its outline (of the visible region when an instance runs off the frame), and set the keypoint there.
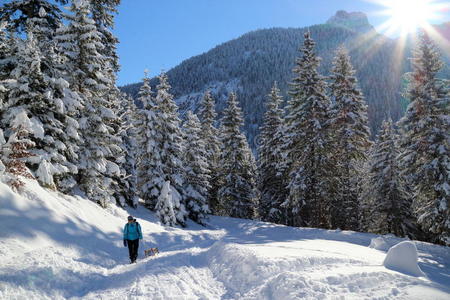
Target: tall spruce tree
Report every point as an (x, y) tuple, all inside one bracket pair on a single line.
[(41, 96), (103, 12), (210, 135), (92, 84), (127, 115), (119, 183), (43, 32), (238, 194), (149, 166), (308, 142), (349, 125), (67, 49), (5, 53), (17, 13), (425, 142), (67, 104), (196, 183), (270, 161), (169, 138), (62, 62), (390, 202)]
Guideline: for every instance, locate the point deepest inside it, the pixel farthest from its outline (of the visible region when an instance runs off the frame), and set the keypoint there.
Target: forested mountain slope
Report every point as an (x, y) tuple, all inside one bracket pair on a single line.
[(251, 63)]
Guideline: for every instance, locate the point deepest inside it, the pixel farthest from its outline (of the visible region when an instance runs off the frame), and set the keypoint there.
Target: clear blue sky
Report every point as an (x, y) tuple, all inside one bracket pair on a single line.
[(160, 34)]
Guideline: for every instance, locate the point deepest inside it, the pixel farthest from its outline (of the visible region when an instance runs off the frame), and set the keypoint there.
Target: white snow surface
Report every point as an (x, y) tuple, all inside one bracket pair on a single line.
[(403, 258), (379, 243), (54, 246)]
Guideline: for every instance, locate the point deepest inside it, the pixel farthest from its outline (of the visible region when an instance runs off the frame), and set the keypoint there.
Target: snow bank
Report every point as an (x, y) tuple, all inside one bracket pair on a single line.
[(379, 243), (54, 246), (403, 258), (293, 270)]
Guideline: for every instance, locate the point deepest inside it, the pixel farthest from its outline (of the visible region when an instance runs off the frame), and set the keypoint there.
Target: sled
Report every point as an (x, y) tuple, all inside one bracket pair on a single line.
[(151, 252)]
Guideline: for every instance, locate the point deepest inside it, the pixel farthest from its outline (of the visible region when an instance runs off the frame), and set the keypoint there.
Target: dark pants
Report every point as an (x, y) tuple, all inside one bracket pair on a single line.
[(133, 246)]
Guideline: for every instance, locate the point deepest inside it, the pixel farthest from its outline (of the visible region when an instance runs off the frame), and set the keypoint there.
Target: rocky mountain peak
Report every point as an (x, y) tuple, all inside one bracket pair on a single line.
[(356, 21)]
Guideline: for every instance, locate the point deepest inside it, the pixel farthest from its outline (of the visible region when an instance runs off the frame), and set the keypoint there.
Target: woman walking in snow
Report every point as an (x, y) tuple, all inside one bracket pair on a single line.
[(132, 233)]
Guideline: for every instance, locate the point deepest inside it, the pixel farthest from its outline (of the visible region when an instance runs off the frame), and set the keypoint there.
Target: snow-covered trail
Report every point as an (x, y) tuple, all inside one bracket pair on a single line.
[(58, 247)]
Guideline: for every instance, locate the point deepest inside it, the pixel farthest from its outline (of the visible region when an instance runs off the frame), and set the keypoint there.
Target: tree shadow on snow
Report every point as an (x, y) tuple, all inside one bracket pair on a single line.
[(105, 250), (70, 283), (94, 245)]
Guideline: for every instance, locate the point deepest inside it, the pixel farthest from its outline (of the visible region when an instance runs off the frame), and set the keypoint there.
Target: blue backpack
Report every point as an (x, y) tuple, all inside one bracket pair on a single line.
[(138, 230)]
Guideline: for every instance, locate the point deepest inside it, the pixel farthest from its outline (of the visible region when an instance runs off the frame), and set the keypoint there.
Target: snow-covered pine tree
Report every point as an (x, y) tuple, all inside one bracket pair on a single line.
[(5, 76), (18, 12), (67, 51), (149, 172), (15, 151), (43, 33), (390, 210), (308, 142), (364, 191), (63, 66), (270, 161), (349, 125), (38, 94), (169, 138), (425, 141), (8, 62), (128, 115), (119, 183), (103, 16), (103, 12), (168, 205), (196, 178), (92, 84), (238, 194), (42, 30), (5, 53), (66, 103), (159, 141), (210, 135)]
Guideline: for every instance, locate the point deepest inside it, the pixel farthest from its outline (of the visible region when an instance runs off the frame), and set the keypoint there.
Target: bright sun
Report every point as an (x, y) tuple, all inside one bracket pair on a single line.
[(410, 14), (405, 16)]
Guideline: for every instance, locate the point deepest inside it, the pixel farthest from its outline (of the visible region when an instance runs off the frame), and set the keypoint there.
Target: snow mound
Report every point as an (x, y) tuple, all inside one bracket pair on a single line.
[(379, 243), (403, 258), (262, 271)]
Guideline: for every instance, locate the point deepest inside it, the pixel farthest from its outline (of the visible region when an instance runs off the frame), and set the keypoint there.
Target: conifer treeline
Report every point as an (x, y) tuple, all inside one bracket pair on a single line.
[(318, 168), (58, 72), (66, 124)]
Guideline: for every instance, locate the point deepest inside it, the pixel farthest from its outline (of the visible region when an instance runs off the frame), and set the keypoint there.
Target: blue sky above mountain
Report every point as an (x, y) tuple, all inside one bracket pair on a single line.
[(157, 37), (160, 35)]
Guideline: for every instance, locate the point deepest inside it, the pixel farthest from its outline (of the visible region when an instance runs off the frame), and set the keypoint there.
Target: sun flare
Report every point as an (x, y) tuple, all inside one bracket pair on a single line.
[(406, 16)]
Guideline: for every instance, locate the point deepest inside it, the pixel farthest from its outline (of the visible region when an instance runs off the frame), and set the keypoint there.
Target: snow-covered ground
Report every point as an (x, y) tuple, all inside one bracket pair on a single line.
[(58, 247)]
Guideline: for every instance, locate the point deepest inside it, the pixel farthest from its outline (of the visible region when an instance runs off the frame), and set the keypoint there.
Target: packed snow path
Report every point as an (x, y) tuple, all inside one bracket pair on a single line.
[(58, 247)]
